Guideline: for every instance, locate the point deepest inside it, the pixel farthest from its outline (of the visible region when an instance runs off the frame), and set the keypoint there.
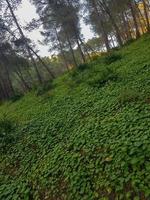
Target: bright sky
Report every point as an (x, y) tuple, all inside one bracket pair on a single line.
[(26, 12)]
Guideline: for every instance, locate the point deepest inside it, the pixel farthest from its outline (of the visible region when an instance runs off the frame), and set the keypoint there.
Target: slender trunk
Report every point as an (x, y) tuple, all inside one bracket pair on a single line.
[(126, 27), (5, 88), (71, 49), (36, 68), (43, 63), (3, 94), (105, 36), (8, 81), (116, 30), (28, 72), (21, 84), (132, 8), (61, 49), (107, 10), (10, 86), (146, 15), (128, 24), (104, 33), (20, 75), (78, 44), (81, 52), (112, 39), (30, 49), (140, 18), (26, 44), (86, 48)]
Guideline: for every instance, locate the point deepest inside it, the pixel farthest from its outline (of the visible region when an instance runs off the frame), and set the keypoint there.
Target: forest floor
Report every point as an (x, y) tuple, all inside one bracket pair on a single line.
[(86, 138)]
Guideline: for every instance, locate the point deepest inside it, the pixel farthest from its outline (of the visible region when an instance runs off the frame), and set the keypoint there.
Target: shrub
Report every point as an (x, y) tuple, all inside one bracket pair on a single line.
[(129, 42), (82, 67), (116, 48), (103, 77), (95, 57), (128, 95), (16, 97), (112, 57), (75, 76), (45, 87), (6, 132)]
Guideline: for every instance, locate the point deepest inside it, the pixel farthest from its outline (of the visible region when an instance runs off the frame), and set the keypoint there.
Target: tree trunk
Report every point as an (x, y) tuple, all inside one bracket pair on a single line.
[(146, 15), (20, 75), (71, 49), (81, 52), (126, 27), (132, 8), (86, 48), (3, 92), (43, 63), (8, 81), (61, 49), (112, 39), (140, 18), (128, 24), (104, 33), (26, 44), (107, 10)]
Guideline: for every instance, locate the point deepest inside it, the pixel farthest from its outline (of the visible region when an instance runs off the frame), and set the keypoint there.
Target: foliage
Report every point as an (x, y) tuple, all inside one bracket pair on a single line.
[(6, 133), (83, 143), (44, 88), (128, 95), (112, 57), (82, 67), (16, 97), (100, 79), (129, 41)]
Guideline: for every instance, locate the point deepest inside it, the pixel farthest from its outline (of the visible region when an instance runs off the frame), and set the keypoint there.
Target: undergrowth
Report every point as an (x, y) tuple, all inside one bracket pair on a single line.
[(85, 138)]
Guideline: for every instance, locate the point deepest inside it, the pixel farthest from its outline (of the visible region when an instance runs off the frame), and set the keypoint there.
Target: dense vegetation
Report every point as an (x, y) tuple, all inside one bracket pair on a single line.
[(61, 23), (87, 137)]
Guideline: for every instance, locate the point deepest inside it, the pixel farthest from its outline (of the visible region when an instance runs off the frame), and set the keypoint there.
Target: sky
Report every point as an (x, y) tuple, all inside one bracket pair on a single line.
[(26, 12)]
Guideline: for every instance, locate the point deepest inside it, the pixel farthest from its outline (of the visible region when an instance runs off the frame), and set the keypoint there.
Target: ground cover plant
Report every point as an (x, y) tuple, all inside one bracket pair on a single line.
[(87, 137)]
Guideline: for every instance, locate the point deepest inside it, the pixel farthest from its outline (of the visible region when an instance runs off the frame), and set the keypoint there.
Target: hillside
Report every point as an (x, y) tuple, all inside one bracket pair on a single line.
[(87, 138)]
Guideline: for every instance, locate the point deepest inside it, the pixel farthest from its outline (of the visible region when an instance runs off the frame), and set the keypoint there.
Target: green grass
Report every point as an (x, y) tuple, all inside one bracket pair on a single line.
[(88, 138)]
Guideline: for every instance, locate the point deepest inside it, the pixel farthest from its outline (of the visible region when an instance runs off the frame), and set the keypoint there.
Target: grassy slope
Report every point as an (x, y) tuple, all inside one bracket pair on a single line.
[(88, 138)]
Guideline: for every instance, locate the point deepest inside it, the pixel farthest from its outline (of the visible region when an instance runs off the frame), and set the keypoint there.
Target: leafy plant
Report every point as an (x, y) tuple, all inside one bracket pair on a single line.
[(104, 76), (6, 132), (16, 97), (128, 95), (112, 57), (45, 87), (130, 41), (81, 144), (82, 67)]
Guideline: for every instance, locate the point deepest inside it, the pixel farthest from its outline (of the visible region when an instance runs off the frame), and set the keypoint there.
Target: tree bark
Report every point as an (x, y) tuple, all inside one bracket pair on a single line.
[(7, 78), (43, 63), (71, 49), (86, 48), (132, 8), (128, 24), (104, 33), (61, 49), (81, 52), (107, 10), (26, 44), (146, 16), (20, 75), (126, 27)]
